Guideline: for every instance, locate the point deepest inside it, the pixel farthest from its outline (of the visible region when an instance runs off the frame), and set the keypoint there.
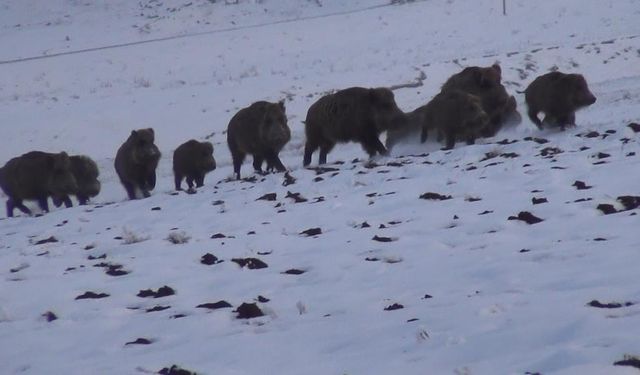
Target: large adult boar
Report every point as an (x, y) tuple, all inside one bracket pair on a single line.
[(355, 114), (260, 130), (454, 115), (136, 162), (558, 96), (37, 176), (485, 82), (193, 160)]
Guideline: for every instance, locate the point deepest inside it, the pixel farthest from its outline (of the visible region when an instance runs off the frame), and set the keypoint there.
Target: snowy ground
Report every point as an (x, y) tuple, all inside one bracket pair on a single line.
[(480, 294)]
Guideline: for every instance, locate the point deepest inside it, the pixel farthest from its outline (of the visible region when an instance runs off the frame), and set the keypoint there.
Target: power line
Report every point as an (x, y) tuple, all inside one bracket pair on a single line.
[(190, 35)]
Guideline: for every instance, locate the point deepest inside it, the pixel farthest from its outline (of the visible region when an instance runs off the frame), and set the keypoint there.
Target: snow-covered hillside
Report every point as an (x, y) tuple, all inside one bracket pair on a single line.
[(389, 282)]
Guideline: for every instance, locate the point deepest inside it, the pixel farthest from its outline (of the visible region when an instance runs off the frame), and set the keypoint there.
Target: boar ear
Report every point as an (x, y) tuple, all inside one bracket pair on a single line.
[(497, 68), (151, 131), (281, 104), (134, 133), (208, 146)]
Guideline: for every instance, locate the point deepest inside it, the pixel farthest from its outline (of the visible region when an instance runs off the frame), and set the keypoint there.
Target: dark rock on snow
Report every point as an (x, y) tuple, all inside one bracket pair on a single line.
[(527, 217), (215, 305), (248, 311), (250, 263)]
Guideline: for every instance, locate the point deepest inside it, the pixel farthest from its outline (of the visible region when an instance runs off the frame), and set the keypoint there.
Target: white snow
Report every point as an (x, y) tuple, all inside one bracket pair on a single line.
[(79, 75)]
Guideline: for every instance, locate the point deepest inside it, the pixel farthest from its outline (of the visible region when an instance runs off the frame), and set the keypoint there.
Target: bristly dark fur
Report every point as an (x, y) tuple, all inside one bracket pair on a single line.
[(454, 115), (260, 130), (558, 96), (355, 114), (136, 162), (485, 82), (193, 160), (37, 175), (86, 173)]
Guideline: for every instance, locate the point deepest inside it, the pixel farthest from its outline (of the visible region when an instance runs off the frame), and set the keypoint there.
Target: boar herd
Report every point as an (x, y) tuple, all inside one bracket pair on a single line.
[(471, 104)]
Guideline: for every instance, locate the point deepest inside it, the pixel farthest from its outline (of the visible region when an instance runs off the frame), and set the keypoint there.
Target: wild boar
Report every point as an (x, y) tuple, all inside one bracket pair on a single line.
[(193, 160), (558, 96), (37, 175), (260, 130), (355, 114), (136, 162)]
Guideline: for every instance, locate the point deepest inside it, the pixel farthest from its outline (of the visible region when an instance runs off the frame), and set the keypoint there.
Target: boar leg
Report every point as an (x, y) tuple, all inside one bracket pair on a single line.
[(145, 193), (10, 207), (56, 201), (471, 140), (238, 158), (82, 199), (309, 149), (549, 120), (372, 144), (568, 119), (131, 191), (424, 135), (11, 204), (147, 184), (257, 163), (178, 181), (533, 115), (43, 203), (23, 208), (450, 139), (273, 161), (380, 147), (67, 201), (200, 179), (151, 180), (190, 182), (324, 150)]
